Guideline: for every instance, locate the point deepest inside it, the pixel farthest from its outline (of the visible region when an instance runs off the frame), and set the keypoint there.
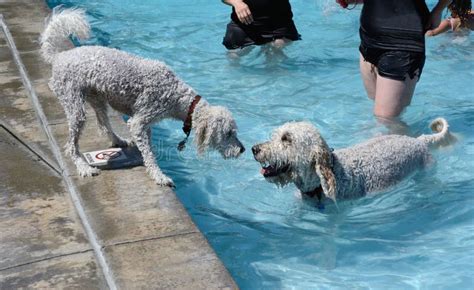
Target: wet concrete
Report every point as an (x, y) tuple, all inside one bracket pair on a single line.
[(178, 262), (36, 217), (43, 243), (42, 240), (126, 204), (76, 271), (145, 237), (16, 109)]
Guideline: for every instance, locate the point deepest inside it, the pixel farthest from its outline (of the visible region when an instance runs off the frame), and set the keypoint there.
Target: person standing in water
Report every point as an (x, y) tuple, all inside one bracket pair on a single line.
[(392, 50), (258, 22)]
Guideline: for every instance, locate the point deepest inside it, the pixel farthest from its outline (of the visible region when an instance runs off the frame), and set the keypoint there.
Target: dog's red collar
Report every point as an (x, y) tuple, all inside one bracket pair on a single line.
[(188, 123)]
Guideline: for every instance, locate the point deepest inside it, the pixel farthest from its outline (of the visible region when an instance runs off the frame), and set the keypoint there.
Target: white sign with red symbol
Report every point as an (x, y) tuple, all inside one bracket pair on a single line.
[(103, 157)]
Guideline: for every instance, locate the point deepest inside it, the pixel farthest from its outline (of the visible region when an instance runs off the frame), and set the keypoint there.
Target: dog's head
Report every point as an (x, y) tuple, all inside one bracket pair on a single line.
[(297, 153), (216, 129)]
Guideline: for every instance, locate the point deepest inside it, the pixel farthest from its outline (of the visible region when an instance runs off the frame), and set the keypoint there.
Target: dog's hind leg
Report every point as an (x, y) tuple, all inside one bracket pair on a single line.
[(140, 130), (75, 112), (100, 109)]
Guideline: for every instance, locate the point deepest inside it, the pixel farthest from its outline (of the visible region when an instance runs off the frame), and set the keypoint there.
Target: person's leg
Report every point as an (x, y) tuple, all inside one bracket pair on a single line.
[(392, 96), (369, 76), (280, 43), (391, 83), (239, 52), (395, 125), (236, 40), (398, 72), (273, 49)]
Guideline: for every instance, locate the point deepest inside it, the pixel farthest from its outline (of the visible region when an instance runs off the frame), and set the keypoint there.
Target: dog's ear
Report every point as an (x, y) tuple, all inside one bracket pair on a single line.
[(323, 163), (201, 138)]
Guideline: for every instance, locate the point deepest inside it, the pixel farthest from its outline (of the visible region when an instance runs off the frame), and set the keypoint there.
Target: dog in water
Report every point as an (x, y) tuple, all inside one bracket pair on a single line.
[(297, 153), (146, 90)]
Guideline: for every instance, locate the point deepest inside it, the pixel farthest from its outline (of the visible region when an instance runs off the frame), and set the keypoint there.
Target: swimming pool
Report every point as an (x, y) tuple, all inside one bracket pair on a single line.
[(417, 235)]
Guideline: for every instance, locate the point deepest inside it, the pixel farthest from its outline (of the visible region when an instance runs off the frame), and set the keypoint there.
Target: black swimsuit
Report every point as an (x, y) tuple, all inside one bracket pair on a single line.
[(273, 19), (393, 36)]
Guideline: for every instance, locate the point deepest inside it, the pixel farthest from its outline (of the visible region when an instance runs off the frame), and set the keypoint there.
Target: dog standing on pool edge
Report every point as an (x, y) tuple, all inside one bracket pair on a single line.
[(297, 153), (146, 90)]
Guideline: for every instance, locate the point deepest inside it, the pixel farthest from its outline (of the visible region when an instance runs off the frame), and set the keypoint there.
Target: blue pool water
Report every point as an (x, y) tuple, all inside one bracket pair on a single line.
[(417, 235)]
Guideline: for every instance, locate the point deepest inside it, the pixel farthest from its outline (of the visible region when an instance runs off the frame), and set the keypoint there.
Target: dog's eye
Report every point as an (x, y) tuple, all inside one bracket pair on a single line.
[(229, 134), (286, 138)]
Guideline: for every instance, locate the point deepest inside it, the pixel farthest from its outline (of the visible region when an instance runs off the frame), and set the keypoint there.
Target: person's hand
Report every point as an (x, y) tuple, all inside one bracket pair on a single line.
[(429, 33), (243, 12)]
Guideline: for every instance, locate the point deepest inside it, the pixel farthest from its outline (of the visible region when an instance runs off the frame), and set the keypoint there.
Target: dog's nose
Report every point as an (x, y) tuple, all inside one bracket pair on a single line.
[(255, 149), (242, 149)]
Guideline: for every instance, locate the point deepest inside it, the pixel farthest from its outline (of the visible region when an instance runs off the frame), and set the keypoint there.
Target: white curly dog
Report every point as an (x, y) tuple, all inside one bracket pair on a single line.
[(146, 90), (297, 153)]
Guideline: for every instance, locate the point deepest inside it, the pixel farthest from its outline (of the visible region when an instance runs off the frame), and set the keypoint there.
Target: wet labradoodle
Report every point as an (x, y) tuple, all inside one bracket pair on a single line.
[(146, 90), (297, 153)]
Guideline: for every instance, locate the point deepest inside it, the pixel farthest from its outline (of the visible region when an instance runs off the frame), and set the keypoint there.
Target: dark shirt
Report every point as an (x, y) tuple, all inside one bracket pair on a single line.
[(394, 24), (268, 15)]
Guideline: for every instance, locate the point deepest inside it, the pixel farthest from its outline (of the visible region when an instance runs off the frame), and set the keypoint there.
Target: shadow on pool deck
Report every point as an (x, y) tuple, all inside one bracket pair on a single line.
[(116, 230)]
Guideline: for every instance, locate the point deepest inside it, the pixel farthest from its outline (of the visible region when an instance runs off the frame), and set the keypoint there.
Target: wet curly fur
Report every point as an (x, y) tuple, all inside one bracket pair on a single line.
[(146, 90), (297, 153)]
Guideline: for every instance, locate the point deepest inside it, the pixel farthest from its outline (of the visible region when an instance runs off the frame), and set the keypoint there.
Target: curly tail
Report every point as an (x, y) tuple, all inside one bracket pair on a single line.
[(440, 129), (60, 25)]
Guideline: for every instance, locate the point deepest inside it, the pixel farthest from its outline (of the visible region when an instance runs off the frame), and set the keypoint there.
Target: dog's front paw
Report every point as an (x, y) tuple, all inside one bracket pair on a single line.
[(87, 171), (164, 180)]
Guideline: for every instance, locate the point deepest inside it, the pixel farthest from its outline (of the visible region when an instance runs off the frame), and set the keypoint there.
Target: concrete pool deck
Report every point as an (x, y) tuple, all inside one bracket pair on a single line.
[(57, 230)]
